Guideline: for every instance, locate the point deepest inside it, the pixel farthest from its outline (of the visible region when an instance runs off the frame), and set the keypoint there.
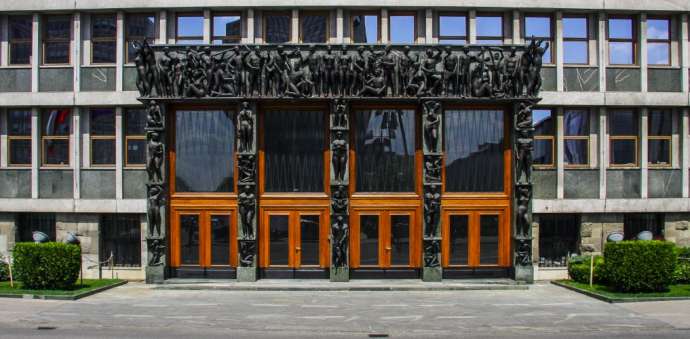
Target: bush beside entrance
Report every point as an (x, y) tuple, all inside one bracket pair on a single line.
[(578, 269), (47, 266), (640, 266)]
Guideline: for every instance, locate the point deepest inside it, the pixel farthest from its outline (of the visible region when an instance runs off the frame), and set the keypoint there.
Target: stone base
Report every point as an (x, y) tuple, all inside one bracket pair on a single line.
[(341, 274), (524, 273), (246, 274), (155, 274), (432, 274)]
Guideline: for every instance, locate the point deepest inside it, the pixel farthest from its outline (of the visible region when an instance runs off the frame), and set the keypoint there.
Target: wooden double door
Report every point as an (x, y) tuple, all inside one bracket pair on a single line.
[(385, 238), (294, 239), (203, 237)]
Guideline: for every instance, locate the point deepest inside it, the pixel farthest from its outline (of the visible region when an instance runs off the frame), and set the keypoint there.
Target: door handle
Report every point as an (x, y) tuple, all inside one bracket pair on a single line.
[(297, 248), (388, 248)]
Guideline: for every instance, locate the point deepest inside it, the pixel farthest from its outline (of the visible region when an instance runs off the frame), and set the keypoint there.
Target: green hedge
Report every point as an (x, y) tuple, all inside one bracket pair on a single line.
[(4, 271), (49, 265), (682, 273), (640, 266), (578, 269)]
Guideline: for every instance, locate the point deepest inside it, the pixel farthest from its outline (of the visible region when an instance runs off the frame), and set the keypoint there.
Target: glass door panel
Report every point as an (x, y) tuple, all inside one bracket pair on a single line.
[(488, 239), (457, 239), (399, 248), (279, 239), (220, 239), (308, 248), (369, 240), (189, 239)]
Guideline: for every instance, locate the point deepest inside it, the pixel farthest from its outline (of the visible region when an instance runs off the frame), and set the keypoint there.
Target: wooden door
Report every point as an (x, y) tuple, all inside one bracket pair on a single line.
[(385, 239), (476, 238), (203, 237), (294, 239)]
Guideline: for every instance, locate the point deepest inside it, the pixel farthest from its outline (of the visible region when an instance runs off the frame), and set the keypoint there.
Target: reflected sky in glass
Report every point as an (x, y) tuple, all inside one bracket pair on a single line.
[(657, 29), (190, 26), (490, 26), (574, 27), (538, 27), (226, 25), (371, 23), (621, 28), (402, 29), (452, 26)]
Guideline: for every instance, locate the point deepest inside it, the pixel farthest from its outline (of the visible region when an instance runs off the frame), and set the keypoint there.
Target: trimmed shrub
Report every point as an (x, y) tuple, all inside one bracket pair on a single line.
[(49, 265), (682, 273), (640, 266), (4, 271), (578, 269)]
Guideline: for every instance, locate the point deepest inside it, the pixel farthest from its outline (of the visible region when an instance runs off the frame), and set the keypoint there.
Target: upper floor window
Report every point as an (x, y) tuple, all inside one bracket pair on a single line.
[(137, 28), (103, 38), (190, 29), (658, 41), (576, 137), (365, 28), (20, 37), (452, 29), (660, 129), (57, 32), (489, 29), (227, 29), (401, 28), (56, 125), (544, 135), (539, 28), (575, 40), (277, 27), (19, 136), (135, 139), (314, 27), (102, 133), (621, 36), (623, 136)]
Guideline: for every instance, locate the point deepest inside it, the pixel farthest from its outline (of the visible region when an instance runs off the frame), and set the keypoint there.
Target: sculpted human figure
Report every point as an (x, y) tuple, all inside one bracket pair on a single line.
[(339, 232), (339, 200), (432, 169), (245, 128), (523, 253), (339, 149), (358, 71), (247, 169), (464, 60), (481, 76), (154, 118), (432, 123), (247, 249), (450, 73), (535, 53), (155, 202), (143, 77), (522, 221), (329, 72), (246, 202), (432, 209), (524, 143), (154, 165), (236, 63), (165, 72), (316, 70), (509, 73), (375, 85), (157, 249), (432, 75), (252, 63), (391, 67), (431, 251), (340, 114)]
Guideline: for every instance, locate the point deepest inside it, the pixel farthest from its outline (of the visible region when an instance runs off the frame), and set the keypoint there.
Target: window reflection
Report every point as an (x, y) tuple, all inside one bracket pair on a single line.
[(402, 29), (309, 233), (220, 240), (226, 29), (369, 240), (365, 28), (189, 239), (400, 240), (458, 239), (277, 28), (576, 139), (279, 235), (488, 240), (489, 29), (452, 29), (314, 28)]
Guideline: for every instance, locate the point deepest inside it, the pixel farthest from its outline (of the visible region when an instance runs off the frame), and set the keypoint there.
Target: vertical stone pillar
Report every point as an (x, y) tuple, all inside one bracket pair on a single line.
[(155, 192), (246, 186), (432, 150), (339, 179), (523, 141)]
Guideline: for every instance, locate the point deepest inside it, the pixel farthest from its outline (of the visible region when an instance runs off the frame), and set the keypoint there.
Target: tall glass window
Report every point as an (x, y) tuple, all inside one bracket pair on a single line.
[(204, 144), (20, 37), (189, 239), (365, 28), (489, 29), (293, 151), (544, 135), (385, 148), (659, 135), (309, 239), (19, 137), (539, 28), (57, 32), (575, 40), (220, 239), (279, 226), (400, 240), (135, 136), (190, 29), (488, 239), (401, 28), (314, 27), (623, 135), (56, 126), (658, 41), (458, 249), (576, 136), (137, 28), (452, 29), (277, 27), (102, 133), (103, 38), (368, 240), (474, 150), (621, 36), (227, 29)]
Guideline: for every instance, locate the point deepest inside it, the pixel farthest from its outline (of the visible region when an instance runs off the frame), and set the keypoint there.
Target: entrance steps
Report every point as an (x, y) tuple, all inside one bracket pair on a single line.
[(352, 285)]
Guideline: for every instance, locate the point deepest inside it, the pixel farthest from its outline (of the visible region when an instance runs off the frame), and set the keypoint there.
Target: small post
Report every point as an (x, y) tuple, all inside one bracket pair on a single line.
[(112, 274), (9, 266), (591, 270)]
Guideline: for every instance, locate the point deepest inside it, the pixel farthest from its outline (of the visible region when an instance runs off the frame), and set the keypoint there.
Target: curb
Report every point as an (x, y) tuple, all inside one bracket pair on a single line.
[(63, 297), (339, 288), (616, 300)]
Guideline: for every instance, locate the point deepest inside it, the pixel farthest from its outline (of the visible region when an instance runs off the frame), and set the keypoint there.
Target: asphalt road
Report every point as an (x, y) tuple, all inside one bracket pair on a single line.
[(544, 311)]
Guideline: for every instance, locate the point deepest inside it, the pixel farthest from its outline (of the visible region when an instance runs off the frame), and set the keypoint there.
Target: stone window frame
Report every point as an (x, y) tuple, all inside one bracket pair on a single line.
[(101, 137), (480, 38), (614, 138), (12, 137), (403, 13), (584, 39), (634, 21), (668, 138), (128, 137), (551, 138), (667, 41), (264, 25), (130, 37), (354, 14), (237, 38), (104, 39), (11, 41), (47, 40), (550, 39), (585, 137), (465, 38), (326, 14), (67, 137), (184, 38)]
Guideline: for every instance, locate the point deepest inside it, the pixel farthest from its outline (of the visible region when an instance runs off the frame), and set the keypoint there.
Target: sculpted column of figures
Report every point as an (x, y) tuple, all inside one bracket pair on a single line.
[(523, 140), (155, 192), (339, 126), (432, 141), (247, 195)]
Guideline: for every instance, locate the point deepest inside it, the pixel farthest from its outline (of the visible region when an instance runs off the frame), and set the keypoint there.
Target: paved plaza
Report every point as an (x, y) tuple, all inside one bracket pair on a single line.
[(140, 311)]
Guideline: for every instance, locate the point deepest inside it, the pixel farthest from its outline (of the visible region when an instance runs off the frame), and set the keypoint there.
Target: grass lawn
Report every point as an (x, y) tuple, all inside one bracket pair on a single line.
[(675, 291), (89, 285)]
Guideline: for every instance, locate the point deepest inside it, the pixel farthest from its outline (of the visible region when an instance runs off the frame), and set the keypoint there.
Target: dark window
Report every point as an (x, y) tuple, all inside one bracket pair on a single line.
[(227, 29), (402, 28), (400, 240), (621, 35), (538, 28), (277, 28), (474, 150), (137, 28), (314, 27), (365, 28), (543, 123), (458, 240), (135, 138), (220, 240), (452, 29), (634, 223), (204, 140), (623, 135), (280, 239), (576, 137), (659, 135), (575, 40), (20, 38), (489, 29), (103, 39), (559, 236), (190, 29), (189, 239), (368, 240), (102, 134), (27, 223), (385, 150), (310, 240), (55, 130), (19, 137), (488, 239), (121, 236), (293, 151), (658, 41), (57, 31)]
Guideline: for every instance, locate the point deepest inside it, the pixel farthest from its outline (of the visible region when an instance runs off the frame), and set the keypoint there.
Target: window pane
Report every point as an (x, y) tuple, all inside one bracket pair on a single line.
[(660, 122), (136, 151), (576, 151), (190, 26), (135, 121), (576, 122), (489, 42), (369, 240), (27, 223), (314, 28), (575, 52), (558, 238), (542, 121), (623, 152), (488, 240), (227, 27), (365, 28), (385, 145), (659, 152), (141, 25), (120, 236), (621, 28), (19, 123), (543, 152), (56, 152), (57, 27), (658, 29), (103, 151), (56, 122), (455, 26), (103, 52), (658, 53), (635, 223), (102, 121), (189, 239), (280, 244), (538, 26), (20, 27), (277, 28), (56, 53), (20, 53), (293, 147), (623, 123), (309, 233), (474, 150), (20, 152), (400, 240), (57, 35), (204, 139), (103, 26), (402, 29), (575, 27), (490, 26), (621, 53), (220, 240), (458, 240)]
